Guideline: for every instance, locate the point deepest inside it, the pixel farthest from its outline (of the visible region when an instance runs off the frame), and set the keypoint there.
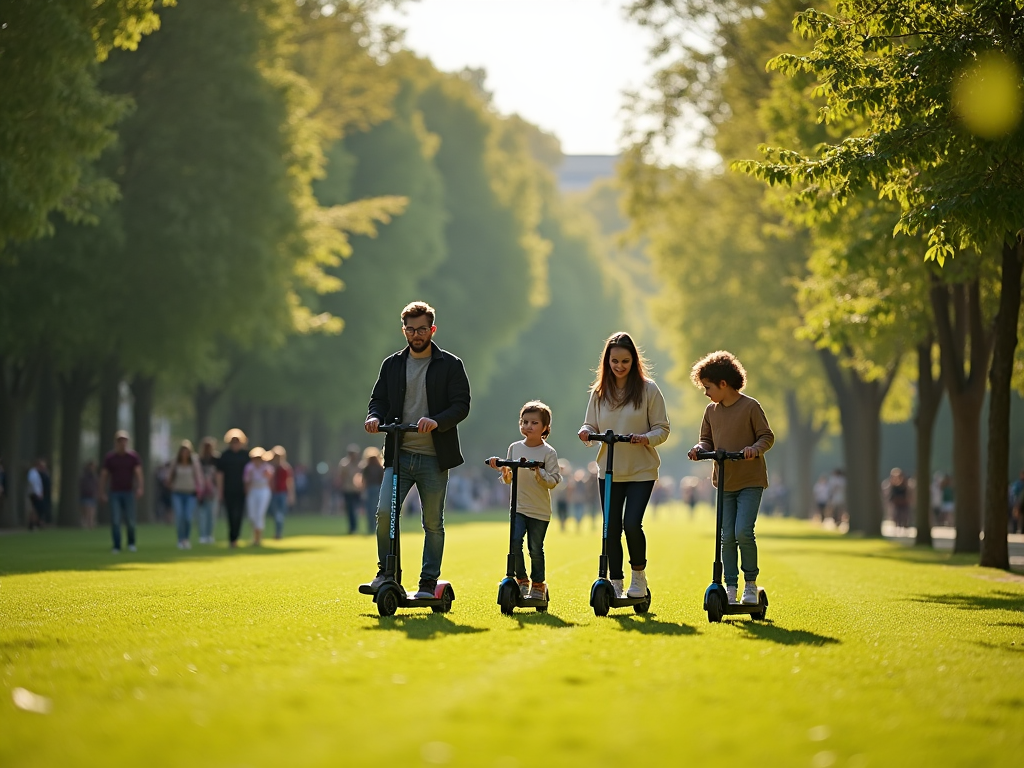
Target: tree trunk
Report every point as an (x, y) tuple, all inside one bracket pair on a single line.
[(965, 383), (994, 550), (16, 378), (75, 388), (803, 440), (45, 412), (860, 407), (204, 399), (142, 415), (929, 398), (110, 401), (319, 484)]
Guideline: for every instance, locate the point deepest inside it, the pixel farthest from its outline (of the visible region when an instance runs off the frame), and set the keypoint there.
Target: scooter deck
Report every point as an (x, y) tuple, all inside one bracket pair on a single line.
[(734, 608), (528, 602), (625, 602)]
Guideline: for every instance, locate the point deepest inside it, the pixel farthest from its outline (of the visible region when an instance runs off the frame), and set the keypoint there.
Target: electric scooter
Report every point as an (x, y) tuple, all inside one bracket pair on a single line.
[(510, 596), (716, 600), (602, 593), (391, 595)]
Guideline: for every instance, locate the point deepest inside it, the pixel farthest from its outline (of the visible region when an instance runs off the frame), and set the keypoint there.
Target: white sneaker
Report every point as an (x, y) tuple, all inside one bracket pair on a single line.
[(181, 545), (637, 584), (750, 596), (731, 594), (131, 548), (617, 586), (188, 544)]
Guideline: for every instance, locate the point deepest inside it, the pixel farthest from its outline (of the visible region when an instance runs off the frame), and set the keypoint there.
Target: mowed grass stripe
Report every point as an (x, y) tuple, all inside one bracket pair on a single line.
[(872, 655)]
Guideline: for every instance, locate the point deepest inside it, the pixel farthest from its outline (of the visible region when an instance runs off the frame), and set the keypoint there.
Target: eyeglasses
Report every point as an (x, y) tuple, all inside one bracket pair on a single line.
[(422, 331)]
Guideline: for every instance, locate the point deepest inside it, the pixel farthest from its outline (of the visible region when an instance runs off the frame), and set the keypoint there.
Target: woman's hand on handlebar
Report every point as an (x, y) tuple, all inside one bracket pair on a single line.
[(493, 462), (639, 440), (692, 453), (584, 434), (750, 452), (371, 425)]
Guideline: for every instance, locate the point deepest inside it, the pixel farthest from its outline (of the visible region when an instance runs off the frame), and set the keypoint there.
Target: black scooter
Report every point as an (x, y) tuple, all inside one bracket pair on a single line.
[(602, 593), (391, 595), (716, 600), (510, 596)]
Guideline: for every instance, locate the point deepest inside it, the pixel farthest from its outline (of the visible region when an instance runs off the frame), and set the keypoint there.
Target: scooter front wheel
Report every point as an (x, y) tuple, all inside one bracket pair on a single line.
[(601, 602), (387, 602), (715, 608), (507, 599)]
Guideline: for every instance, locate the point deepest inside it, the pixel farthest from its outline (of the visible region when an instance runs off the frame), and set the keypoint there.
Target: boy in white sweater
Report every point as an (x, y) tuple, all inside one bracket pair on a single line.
[(534, 494)]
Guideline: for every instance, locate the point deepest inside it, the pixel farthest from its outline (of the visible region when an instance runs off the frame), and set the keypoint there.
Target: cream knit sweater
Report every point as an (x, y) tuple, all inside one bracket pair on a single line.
[(633, 462)]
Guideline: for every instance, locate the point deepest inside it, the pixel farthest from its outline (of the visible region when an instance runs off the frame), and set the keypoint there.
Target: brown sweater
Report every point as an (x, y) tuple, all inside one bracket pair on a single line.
[(733, 428)]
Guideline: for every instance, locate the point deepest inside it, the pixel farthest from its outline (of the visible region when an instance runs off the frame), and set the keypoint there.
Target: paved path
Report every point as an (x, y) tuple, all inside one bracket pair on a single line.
[(943, 537)]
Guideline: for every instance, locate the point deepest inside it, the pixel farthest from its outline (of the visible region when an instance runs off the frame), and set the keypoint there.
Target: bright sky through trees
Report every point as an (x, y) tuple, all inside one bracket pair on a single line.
[(561, 64)]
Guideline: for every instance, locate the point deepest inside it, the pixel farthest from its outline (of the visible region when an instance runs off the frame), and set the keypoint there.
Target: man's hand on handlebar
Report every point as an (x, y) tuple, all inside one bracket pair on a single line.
[(692, 453), (371, 424), (426, 425)]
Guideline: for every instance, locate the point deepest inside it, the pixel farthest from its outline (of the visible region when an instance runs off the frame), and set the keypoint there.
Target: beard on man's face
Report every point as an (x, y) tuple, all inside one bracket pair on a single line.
[(418, 344)]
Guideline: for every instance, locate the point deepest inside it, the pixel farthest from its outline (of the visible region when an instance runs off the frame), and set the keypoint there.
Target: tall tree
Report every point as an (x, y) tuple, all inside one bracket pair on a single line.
[(914, 84)]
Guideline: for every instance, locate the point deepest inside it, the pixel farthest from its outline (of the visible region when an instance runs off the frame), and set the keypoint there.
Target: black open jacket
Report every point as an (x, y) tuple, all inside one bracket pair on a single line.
[(447, 401)]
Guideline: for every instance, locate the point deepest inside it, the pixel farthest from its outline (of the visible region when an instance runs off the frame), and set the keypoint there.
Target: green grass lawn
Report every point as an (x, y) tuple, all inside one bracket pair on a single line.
[(873, 655)]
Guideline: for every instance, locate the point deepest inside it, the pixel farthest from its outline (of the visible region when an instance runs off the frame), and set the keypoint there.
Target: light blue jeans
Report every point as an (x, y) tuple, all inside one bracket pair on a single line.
[(279, 508), (184, 505), (206, 518), (432, 484), (739, 513)]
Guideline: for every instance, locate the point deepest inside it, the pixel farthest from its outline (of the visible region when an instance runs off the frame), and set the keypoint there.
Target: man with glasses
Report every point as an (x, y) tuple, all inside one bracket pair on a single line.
[(426, 386)]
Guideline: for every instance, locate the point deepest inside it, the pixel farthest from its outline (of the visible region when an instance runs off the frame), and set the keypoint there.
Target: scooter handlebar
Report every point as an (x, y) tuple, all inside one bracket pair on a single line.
[(720, 455), (521, 463), (398, 427), (608, 437)]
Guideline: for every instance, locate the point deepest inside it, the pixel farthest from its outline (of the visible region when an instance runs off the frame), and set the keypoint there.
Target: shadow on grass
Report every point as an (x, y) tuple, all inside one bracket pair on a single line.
[(648, 624), (422, 626), (541, 618), (766, 630), (1000, 601)]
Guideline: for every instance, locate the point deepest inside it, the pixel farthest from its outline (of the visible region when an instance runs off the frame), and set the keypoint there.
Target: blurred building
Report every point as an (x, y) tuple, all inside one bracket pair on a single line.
[(578, 172)]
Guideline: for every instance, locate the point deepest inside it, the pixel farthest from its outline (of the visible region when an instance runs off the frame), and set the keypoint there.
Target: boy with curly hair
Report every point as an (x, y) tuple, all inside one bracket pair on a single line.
[(734, 422)]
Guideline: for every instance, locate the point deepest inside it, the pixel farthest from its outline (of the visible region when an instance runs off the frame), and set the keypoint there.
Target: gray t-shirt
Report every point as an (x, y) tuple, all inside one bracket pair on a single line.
[(415, 406)]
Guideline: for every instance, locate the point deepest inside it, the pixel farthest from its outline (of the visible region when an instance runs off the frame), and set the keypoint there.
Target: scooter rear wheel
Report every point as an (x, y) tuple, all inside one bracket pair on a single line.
[(762, 602), (714, 608), (446, 602), (645, 606), (544, 608)]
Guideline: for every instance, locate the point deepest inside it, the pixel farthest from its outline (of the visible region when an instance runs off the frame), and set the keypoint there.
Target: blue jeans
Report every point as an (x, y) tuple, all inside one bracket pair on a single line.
[(370, 504), (206, 518), (739, 513), (279, 508), (184, 505), (431, 483), (122, 504), (533, 530)]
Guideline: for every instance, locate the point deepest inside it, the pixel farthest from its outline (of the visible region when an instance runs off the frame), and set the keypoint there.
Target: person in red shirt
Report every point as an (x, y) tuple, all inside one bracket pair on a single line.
[(122, 471), (283, 486)]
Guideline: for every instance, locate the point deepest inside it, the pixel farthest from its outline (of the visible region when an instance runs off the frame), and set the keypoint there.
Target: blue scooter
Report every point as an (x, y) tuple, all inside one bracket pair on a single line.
[(510, 596), (391, 595), (716, 599), (602, 593)]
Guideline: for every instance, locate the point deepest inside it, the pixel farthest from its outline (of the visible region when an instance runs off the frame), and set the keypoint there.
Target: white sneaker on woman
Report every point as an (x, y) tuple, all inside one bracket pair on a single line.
[(750, 596), (730, 593), (638, 584), (617, 586)]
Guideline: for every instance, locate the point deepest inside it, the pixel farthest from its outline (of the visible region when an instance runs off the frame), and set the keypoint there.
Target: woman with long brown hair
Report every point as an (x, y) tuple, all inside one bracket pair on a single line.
[(625, 399)]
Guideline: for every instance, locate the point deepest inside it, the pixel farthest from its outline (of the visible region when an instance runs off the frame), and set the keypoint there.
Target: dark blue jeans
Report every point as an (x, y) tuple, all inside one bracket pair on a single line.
[(432, 485), (122, 505), (533, 530), (626, 513)]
